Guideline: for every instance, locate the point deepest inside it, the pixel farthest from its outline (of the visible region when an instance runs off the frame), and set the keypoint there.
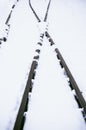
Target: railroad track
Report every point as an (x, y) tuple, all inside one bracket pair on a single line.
[(7, 24), (20, 119)]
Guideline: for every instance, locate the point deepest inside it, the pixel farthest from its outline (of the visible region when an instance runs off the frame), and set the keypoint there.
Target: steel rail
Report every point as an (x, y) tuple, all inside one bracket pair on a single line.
[(23, 106), (34, 11), (19, 123), (9, 16), (80, 99), (4, 39), (46, 15)]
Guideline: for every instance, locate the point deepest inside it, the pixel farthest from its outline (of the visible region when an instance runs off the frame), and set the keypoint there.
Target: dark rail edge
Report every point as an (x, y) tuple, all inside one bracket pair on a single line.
[(79, 96), (73, 82), (20, 116)]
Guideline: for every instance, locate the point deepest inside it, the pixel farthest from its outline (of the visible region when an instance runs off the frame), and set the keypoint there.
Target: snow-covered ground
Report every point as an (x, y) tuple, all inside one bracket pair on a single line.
[(67, 26), (67, 19), (52, 104)]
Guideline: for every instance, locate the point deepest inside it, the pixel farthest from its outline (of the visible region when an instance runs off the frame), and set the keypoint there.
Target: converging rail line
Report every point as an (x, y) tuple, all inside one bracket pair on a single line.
[(19, 123), (79, 97)]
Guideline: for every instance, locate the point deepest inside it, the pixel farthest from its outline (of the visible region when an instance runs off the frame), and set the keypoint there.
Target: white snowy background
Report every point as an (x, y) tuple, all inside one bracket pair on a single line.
[(54, 100)]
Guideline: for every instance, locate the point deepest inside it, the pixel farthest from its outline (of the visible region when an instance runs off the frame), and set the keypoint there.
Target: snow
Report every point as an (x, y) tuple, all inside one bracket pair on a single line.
[(52, 104), (68, 30), (15, 60), (67, 26)]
